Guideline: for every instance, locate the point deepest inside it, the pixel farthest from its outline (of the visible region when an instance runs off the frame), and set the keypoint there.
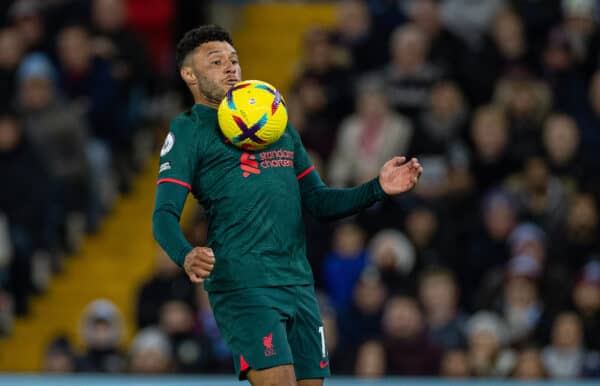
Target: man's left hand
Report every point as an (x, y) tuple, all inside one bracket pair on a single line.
[(398, 176)]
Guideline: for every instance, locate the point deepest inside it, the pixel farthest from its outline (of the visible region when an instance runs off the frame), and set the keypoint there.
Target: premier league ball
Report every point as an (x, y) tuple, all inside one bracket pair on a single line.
[(252, 115)]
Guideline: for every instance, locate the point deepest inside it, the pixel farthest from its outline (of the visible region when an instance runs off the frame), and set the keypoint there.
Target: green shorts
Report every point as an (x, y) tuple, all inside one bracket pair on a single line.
[(273, 326)]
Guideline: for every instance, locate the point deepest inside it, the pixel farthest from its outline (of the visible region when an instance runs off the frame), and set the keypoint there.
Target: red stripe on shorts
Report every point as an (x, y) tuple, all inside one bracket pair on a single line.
[(243, 364)]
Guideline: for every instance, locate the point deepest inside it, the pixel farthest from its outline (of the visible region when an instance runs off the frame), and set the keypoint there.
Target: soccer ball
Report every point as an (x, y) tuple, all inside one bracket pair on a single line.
[(252, 115)]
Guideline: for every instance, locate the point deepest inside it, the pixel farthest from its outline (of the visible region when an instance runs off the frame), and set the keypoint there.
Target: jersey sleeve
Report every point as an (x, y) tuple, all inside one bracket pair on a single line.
[(328, 203), (179, 154)]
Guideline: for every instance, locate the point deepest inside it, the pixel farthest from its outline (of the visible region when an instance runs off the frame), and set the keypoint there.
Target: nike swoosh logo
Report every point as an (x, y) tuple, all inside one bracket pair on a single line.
[(323, 364)]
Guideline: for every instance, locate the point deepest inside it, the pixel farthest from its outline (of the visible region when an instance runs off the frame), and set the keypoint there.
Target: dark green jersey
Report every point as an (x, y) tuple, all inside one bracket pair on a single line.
[(253, 201)]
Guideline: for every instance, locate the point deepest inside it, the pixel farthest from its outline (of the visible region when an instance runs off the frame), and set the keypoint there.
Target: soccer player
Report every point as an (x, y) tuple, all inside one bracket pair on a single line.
[(254, 268)]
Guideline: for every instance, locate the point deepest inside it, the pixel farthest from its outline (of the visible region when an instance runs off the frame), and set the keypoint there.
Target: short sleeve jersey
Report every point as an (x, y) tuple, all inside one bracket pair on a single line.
[(252, 200)]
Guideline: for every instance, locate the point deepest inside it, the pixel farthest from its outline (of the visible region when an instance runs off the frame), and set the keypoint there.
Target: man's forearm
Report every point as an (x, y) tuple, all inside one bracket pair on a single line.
[(166, 229), (329, 204)]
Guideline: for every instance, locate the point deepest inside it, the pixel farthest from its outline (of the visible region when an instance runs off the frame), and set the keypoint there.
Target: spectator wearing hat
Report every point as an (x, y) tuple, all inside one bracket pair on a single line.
[(520, 303), (392, 254), (586, 301), (101, 330), (438, 293), (487, 336), (59, 130), (150, 352), (567, 357)]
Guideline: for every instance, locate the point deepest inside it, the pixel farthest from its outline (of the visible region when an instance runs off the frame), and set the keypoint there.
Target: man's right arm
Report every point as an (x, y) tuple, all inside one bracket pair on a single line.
[(168, 206)]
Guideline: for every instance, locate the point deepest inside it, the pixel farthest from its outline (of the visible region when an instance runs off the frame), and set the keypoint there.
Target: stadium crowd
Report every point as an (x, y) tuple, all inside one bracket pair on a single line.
[(489, 268)]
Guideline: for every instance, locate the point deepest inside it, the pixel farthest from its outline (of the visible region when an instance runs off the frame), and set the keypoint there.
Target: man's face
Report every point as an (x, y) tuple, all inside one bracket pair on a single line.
[(216, 67)]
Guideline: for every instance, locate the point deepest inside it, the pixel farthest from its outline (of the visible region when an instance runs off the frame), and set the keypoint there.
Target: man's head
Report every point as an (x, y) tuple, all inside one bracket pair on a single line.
[(208, 63)]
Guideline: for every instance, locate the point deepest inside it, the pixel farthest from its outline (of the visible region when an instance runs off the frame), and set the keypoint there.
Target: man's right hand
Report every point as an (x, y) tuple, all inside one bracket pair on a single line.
[(199, 263)]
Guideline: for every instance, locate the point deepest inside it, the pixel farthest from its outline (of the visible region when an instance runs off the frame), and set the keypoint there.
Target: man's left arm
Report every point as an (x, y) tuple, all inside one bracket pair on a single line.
[(396, 176)]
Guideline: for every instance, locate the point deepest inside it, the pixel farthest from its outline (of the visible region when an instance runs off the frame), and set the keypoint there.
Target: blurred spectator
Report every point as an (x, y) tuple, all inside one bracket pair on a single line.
[(469, 19), (393, 255), (206, 326), (486, 335), (409, 76), (191, 353), (586, 299), (362, 319), (59, 357), (324, 90), (150, 352), (579, 236), (506, 51), (168, 283), (455, 364), (442, 122), (589, 121), (114, 42), (567, 357), (27, 210), (447, 51), (153, 21), (423, 228), (529, 366), (7, 312), (488, 248), (82, 76), (344, 264), (12, 48), (540, 194), (580, 23), (59, 131), (560, 71), (491, 161), (530, 240), (527, 103), (27, 17), (561, 141), (521, 306), (438, 293), (370, 360), (368, 138), (102, 332), (408, 347), (356, 33)]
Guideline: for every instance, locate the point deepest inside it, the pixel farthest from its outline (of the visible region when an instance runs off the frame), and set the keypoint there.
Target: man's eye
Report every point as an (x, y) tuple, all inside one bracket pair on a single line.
[(216, 62), (235, 61)]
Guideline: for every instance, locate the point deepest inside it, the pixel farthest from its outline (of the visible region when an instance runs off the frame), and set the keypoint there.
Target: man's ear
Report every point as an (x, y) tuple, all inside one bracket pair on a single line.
[(188, 76)]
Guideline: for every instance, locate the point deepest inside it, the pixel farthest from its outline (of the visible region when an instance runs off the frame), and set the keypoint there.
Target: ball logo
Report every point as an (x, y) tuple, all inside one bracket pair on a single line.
[(168, 145)]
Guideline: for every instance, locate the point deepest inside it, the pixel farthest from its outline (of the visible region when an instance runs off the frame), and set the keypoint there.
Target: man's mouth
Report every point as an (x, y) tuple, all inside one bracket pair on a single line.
[(231, 81)]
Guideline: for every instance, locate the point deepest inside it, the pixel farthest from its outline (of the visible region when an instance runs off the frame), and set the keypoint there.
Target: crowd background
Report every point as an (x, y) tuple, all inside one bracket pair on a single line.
[(489, 268)]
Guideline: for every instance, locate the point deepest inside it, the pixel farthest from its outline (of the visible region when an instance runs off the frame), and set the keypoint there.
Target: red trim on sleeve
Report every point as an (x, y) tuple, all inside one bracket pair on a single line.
[(304, 173), (173, 180)]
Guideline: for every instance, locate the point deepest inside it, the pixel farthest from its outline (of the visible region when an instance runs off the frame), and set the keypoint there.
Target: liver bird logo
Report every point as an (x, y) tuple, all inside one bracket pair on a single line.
[(268, 343)]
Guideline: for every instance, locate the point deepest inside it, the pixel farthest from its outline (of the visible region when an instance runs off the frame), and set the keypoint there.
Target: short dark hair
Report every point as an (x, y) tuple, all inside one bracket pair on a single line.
[(197, 36)]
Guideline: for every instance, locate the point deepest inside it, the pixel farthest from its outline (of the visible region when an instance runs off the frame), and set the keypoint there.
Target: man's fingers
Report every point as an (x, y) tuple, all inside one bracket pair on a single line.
[(194, 278), (398, 160)]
